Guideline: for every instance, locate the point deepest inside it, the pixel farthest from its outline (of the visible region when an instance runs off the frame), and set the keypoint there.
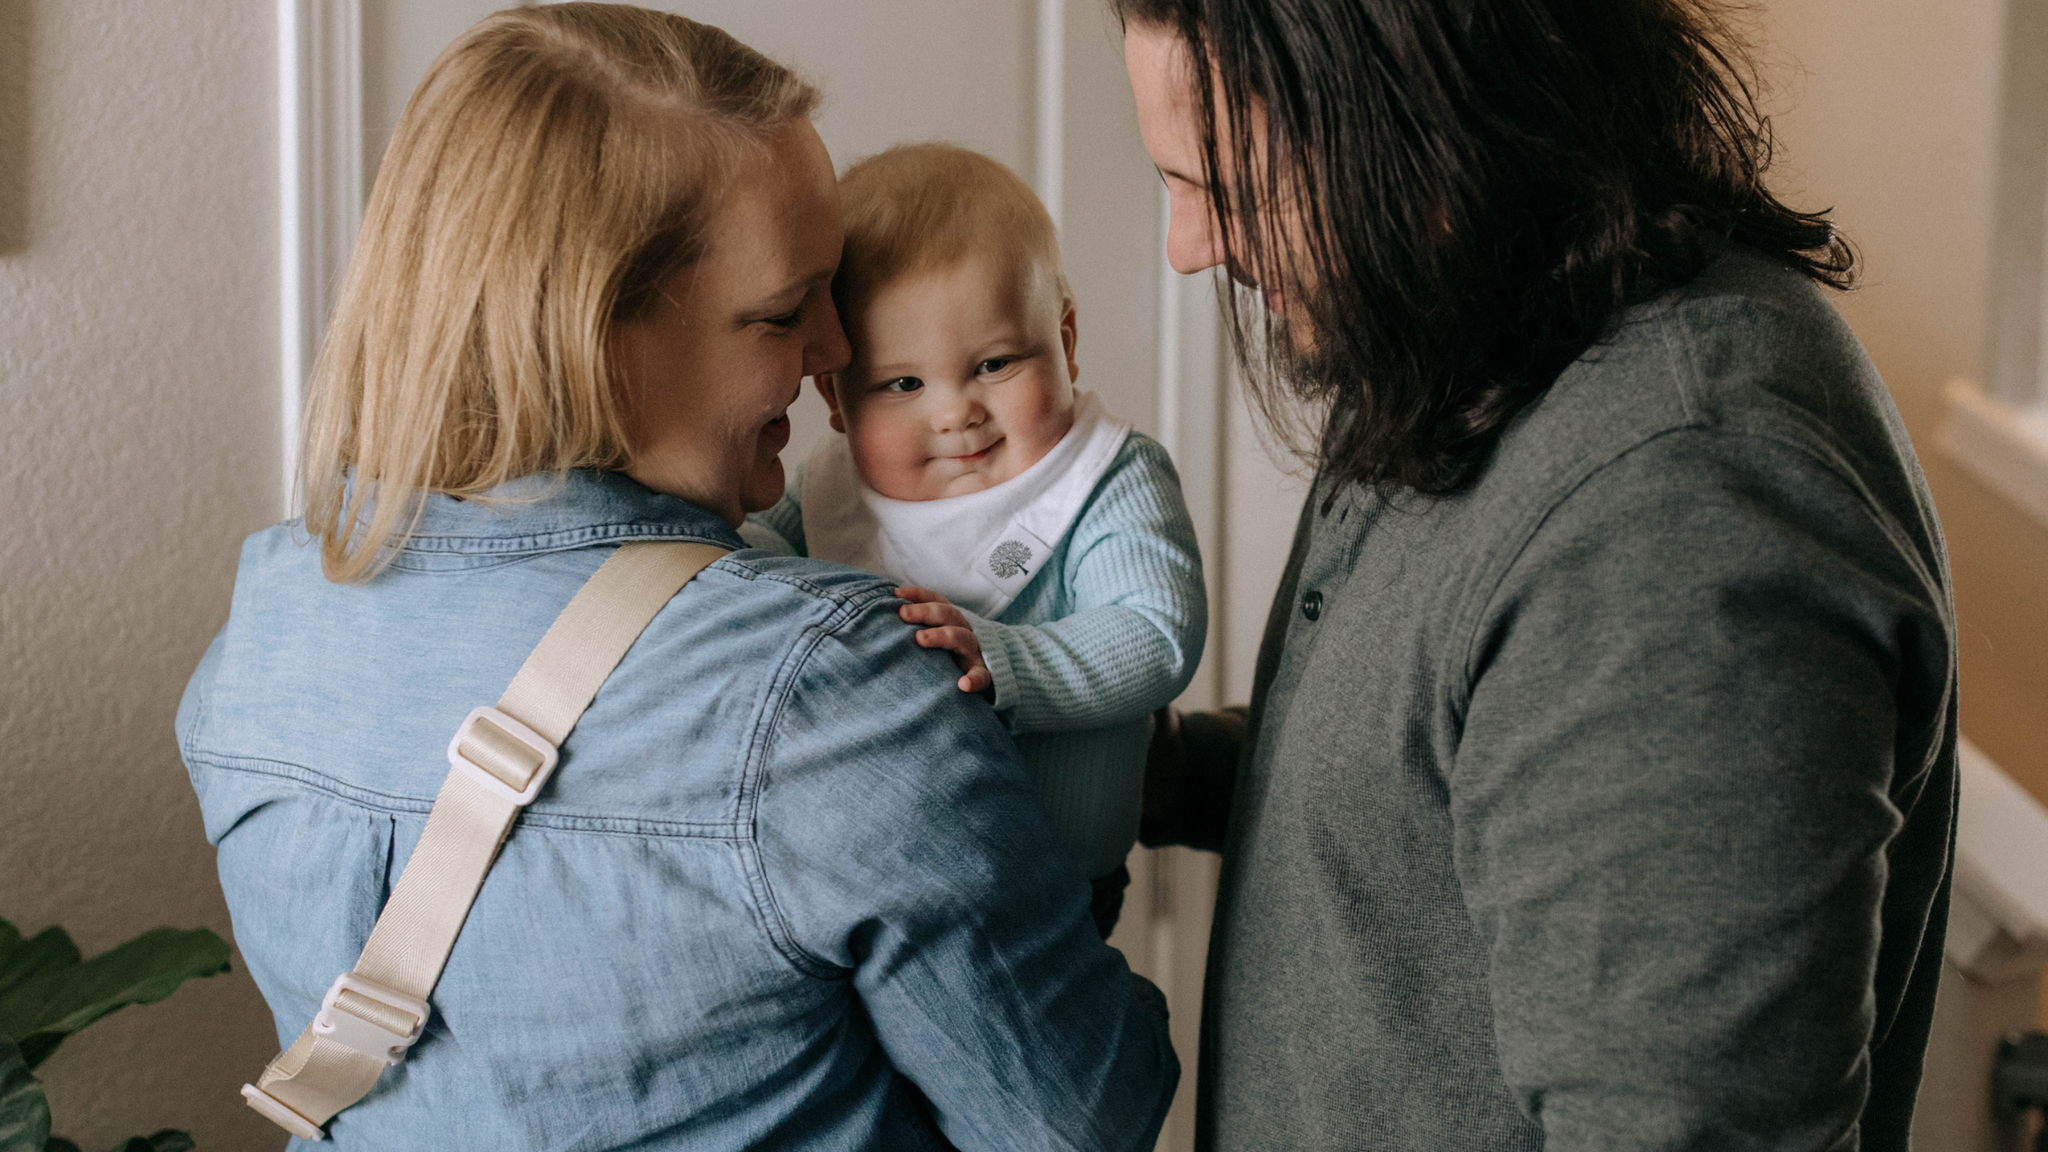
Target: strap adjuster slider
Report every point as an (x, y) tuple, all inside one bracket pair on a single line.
[(516, 761), (281, 1114), (338, 1023)]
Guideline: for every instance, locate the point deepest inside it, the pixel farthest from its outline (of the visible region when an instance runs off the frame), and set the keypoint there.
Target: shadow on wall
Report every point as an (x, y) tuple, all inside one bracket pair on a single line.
[(14, 125)]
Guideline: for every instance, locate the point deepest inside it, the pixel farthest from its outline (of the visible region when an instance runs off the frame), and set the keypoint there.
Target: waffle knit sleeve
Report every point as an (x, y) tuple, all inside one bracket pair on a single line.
[(784, 522), (1137, 613)]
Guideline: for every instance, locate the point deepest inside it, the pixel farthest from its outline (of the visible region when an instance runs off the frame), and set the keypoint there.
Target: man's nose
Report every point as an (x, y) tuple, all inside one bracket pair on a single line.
[(1194, 241)]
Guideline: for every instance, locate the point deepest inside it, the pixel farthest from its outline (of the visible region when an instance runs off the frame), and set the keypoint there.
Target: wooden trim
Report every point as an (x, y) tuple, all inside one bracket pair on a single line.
[(2001, 444), (320, 187)]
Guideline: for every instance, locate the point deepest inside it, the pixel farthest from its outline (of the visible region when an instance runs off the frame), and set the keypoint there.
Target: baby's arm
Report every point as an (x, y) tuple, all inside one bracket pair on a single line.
[(1136, 634)]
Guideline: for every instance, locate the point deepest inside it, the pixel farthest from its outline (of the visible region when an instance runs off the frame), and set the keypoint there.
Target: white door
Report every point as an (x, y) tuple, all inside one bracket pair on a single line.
[(1037, 84)]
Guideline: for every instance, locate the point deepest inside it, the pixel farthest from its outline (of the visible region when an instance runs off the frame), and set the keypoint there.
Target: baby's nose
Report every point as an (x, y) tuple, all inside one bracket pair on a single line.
[(958, 413)]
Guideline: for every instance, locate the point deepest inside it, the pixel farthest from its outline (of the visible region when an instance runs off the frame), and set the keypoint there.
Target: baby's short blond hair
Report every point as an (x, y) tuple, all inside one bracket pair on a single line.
[(917, 207)]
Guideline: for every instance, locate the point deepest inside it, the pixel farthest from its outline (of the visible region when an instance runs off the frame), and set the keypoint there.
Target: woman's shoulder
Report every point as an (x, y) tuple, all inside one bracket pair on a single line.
[(354, 686)]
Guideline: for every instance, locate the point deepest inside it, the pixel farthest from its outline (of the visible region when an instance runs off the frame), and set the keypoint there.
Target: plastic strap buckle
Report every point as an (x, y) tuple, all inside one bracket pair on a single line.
[(543, 751), (335, 1022), (281, 1114)]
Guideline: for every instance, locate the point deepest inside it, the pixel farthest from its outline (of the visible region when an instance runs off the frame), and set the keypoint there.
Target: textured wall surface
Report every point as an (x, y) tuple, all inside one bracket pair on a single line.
[(137, 446)]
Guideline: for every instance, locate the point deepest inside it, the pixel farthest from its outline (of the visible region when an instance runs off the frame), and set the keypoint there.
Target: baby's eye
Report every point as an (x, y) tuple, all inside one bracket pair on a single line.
[(993, 365), (901, 384)]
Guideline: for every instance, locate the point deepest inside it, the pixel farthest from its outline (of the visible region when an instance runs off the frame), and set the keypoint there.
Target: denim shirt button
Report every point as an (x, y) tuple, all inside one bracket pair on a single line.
[(1312, 604)]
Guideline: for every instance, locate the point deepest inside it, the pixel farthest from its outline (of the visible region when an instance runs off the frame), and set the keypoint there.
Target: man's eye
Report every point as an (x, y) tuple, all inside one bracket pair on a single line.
[(992, 366), (901, 384), (789, 319)]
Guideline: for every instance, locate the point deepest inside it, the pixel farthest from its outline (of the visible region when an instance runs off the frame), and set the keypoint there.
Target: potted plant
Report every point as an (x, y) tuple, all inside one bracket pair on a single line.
[(48, 990)]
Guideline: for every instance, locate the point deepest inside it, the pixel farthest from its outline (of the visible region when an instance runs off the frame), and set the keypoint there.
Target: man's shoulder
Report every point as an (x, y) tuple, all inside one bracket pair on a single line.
[(1748, 349)]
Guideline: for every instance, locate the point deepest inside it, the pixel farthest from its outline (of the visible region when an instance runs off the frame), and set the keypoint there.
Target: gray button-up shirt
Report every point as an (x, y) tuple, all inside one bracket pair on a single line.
[(1608, 804)]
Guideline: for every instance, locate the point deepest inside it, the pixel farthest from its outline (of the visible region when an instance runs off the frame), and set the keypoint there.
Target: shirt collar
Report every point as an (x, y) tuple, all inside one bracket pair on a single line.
[(554, 511)]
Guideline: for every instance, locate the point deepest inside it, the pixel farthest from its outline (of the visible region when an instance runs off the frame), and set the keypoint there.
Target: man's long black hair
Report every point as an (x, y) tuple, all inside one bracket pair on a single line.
[(1460, 196)]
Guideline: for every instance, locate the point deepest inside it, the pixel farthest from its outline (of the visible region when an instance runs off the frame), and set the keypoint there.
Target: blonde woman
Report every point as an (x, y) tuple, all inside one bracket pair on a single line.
[(788, 888)]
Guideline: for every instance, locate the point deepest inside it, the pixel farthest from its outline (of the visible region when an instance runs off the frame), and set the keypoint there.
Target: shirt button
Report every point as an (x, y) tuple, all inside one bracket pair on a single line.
[(1312, 604)]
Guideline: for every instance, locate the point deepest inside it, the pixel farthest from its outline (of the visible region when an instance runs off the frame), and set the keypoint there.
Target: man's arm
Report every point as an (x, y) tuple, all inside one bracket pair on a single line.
[(1191, 768), (1673, 798), (902, 844), (1190, 774)]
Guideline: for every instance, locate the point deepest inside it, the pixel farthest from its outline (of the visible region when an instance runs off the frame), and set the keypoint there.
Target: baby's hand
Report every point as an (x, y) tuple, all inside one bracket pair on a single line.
[(947, 628)]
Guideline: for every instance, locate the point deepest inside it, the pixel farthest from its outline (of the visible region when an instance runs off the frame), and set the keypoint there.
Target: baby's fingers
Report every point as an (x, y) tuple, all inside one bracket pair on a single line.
[(916, 595), (940, 613), (953, 638)]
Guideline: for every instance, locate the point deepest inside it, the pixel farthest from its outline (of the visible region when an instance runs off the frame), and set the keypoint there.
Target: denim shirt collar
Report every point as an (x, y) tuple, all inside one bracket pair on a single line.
[(553, 512)]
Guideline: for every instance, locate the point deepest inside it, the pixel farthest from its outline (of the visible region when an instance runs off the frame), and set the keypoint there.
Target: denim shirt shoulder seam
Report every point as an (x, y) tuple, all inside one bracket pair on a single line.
[(394, 804), (775, 923), (434, 550)]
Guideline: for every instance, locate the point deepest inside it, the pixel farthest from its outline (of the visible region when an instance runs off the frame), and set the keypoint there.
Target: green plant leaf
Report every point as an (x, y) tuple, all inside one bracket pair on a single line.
[(59, 998), (39, 959), (168, 1140), (24, 1111)]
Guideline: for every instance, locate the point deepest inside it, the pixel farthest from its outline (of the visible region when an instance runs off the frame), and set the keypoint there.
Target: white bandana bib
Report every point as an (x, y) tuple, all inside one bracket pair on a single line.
[(977, 550)]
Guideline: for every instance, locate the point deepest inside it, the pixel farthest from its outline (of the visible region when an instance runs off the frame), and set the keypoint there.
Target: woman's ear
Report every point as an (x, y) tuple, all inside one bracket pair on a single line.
[(1068, 335), (828, 387)]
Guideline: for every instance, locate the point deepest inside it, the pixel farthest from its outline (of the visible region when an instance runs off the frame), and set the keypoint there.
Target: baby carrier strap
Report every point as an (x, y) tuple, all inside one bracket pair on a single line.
[(498, 762)]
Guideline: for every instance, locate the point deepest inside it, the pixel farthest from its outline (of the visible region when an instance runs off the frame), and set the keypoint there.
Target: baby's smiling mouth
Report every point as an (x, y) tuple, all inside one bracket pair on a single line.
[(972, 457)]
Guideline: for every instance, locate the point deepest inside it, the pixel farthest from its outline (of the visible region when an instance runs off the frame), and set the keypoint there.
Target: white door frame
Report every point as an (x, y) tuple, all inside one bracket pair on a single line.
[(320, 189)]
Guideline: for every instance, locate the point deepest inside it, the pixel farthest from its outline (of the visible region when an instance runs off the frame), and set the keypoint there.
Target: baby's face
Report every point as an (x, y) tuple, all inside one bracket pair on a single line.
[(962, 377)]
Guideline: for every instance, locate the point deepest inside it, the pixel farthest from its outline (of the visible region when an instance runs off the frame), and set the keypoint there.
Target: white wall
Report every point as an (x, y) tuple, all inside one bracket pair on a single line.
[(137, 446)]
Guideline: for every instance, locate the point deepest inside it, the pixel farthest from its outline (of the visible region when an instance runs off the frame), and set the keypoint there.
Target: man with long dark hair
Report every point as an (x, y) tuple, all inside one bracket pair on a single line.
[(1597, 786)]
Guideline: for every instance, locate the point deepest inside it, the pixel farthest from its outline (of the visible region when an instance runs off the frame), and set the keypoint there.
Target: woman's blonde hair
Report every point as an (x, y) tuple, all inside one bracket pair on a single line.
[(553, 169)]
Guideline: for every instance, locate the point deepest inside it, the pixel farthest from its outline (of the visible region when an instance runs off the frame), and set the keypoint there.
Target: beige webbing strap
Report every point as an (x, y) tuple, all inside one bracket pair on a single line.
[(498, 761)]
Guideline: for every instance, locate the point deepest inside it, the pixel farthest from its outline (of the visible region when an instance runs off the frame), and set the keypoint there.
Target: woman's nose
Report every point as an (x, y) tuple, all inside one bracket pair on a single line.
[(825, 346)]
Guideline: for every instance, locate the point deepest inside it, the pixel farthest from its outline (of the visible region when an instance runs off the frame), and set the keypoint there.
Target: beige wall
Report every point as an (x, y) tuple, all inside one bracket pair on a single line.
[(137, 446), (1892, 115)]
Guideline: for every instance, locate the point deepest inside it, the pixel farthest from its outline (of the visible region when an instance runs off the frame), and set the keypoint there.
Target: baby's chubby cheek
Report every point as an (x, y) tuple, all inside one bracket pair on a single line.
[(889, 457)]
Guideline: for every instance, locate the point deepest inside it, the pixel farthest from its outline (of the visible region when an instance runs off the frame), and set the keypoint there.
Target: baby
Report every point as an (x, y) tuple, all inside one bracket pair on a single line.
[(1040, 540)]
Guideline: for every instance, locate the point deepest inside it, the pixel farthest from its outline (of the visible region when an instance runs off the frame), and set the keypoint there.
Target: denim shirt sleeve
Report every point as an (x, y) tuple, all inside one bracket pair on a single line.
[(901, 847), (1140, 614)]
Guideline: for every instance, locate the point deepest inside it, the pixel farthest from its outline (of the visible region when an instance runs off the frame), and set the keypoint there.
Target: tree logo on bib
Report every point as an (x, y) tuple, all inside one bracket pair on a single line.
[(1009, 559)]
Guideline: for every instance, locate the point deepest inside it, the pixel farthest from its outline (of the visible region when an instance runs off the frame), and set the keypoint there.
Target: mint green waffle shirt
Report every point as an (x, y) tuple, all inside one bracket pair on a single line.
[(1109, 630)]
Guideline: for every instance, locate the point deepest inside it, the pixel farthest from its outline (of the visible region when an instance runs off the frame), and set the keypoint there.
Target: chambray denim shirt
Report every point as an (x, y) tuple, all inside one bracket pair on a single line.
[(789, 887)]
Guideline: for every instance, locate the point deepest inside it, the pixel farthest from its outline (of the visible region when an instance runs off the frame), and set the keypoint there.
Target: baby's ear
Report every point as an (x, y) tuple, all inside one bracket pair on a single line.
[(1069, 335), (828, 387)]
